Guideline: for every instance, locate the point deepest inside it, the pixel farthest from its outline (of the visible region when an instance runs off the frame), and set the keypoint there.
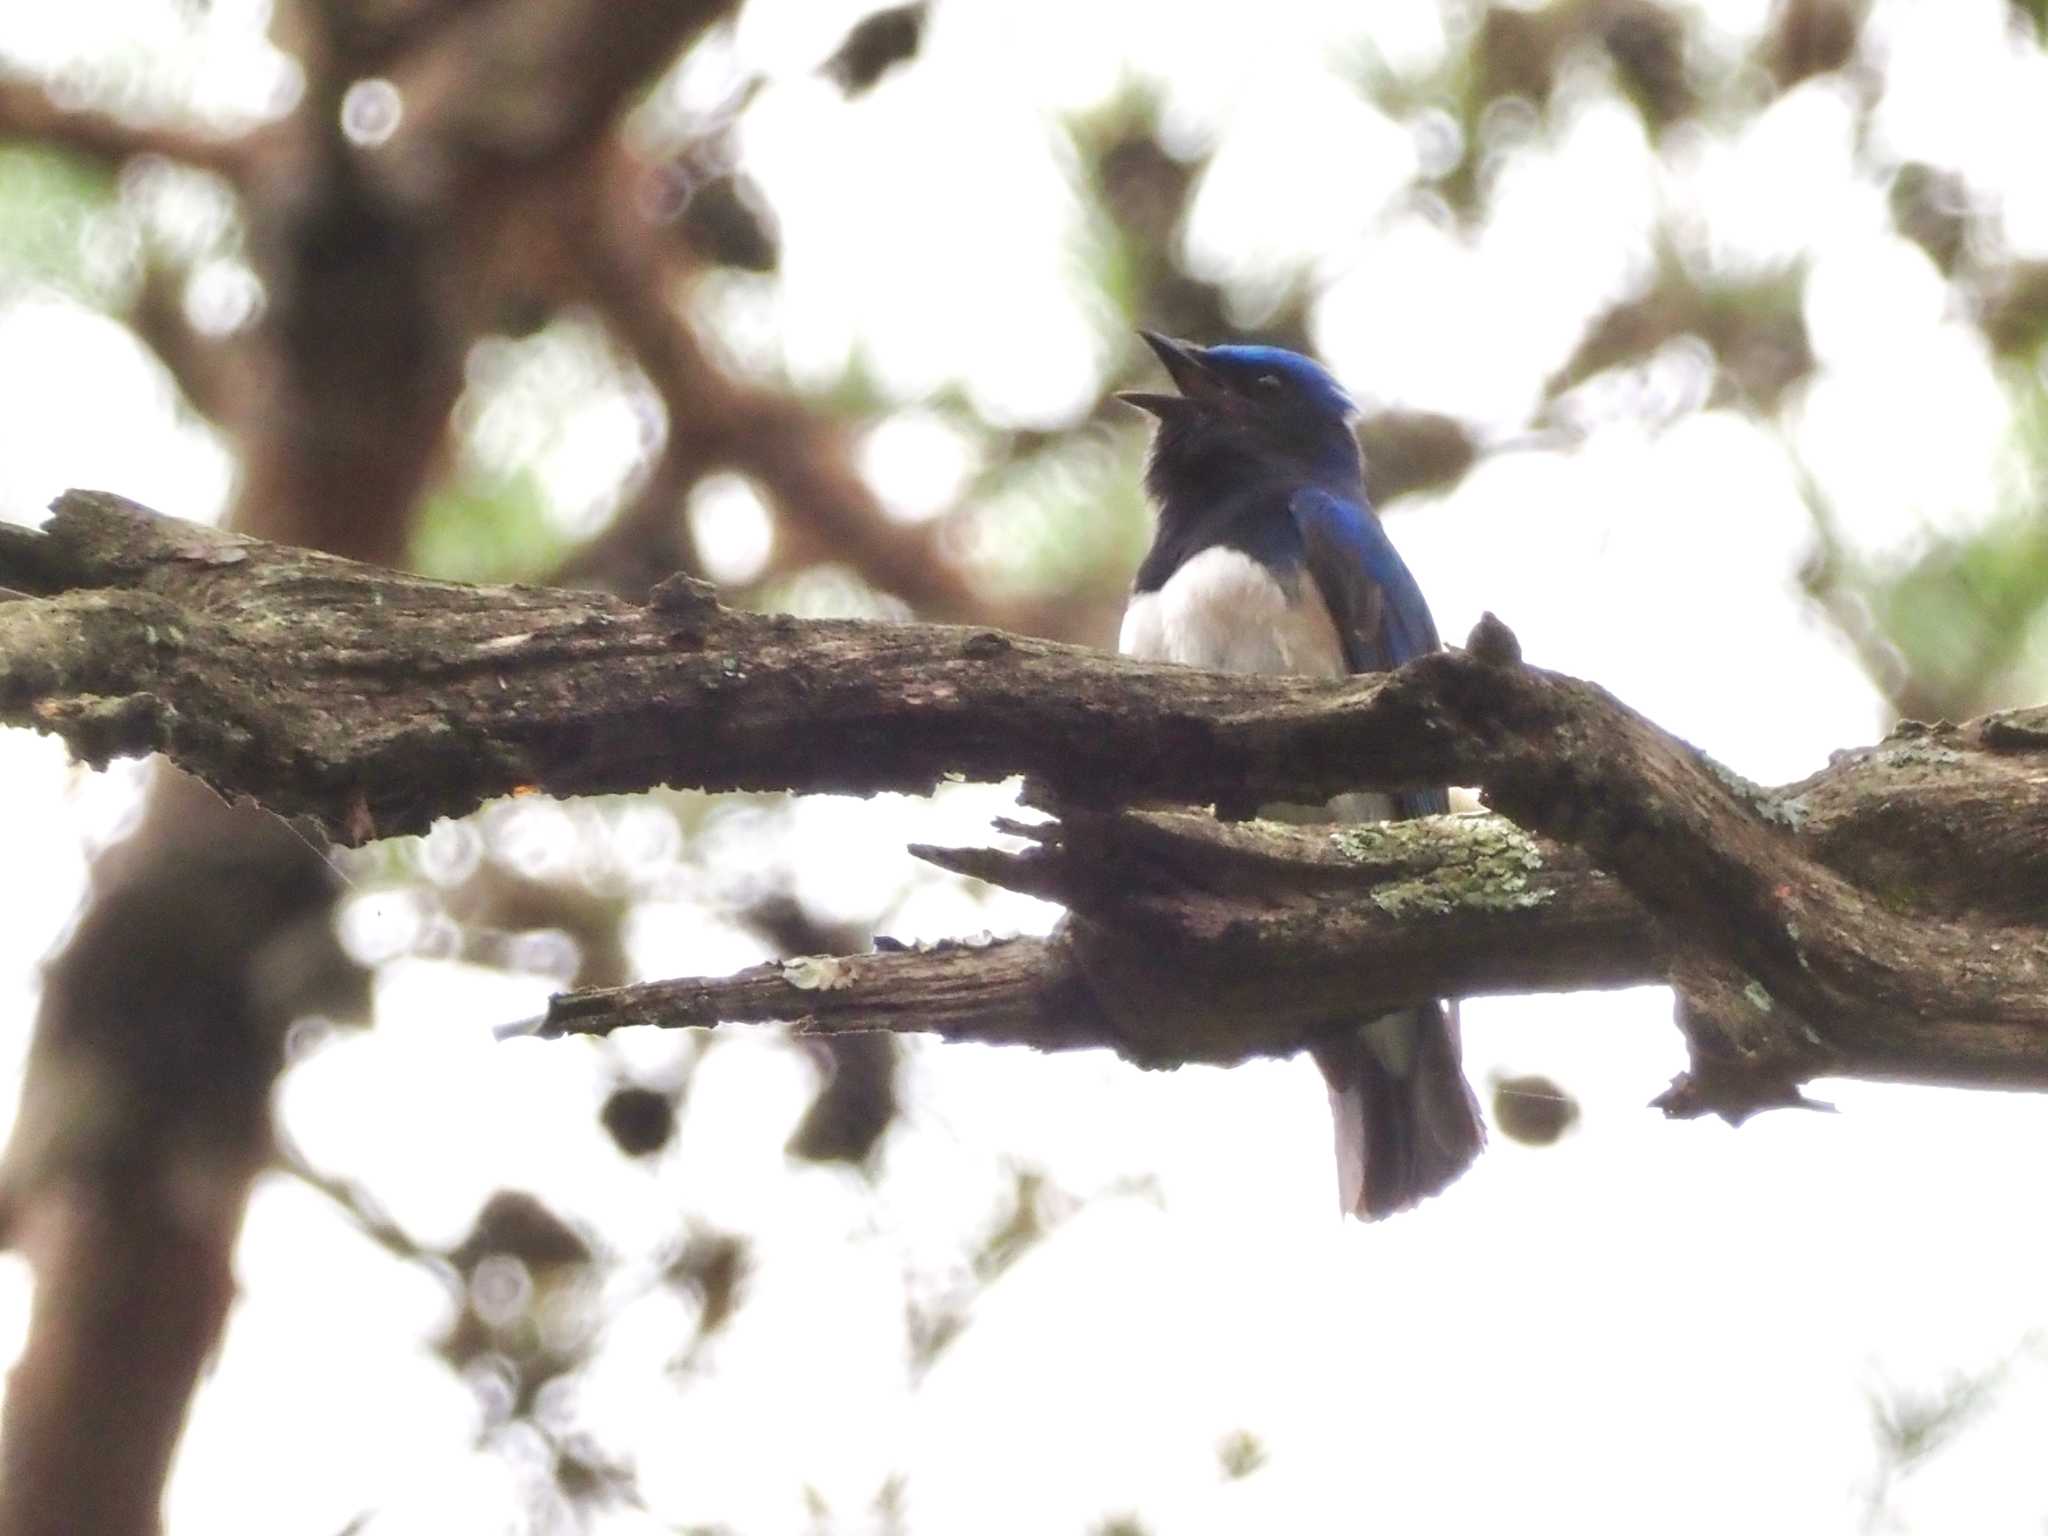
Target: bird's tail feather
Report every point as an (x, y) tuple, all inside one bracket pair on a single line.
[(1407, 1123)]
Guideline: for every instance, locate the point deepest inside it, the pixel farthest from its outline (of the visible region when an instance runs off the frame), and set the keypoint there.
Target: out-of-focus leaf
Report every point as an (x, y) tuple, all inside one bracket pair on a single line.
[(711, 1266), (1962, 615), (1517, 50), (640, 1121), (487, 527), (1020, 1231), (1912, 1425), (516, 1223), (1754, 325), (855, 1102), (876, 45), (586, 1478), (1812, 37), (1647, 43), (1136, 194), (500, 910), (1533, 1110), (1143, 188), (1412, 451), (2015, 309), (48, 200), (1932, 209), (1242, 1453), (727, 220), (1961, 628), (1059, 520), (930, 1329)]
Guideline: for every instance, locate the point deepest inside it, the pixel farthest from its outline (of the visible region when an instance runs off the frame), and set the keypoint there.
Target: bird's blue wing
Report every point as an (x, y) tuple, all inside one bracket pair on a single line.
[(1378, 608), (1370, 590)]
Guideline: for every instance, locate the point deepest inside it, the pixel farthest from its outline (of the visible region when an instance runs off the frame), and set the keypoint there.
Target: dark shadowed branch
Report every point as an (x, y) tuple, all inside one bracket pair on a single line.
[(1879, 919)]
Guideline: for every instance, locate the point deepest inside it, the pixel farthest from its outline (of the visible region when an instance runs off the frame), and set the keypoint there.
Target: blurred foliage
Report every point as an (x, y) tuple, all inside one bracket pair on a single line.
[(1752, 323), (1958, 628), (726, 220), (1136, 193), (1522, 52), (49, 202), (710, 1266), (1533, 1110), (528, 1325), (855, 1102), (2015, 309), (938, 1306), (1813, 37), (1932, 209), (877, 44), (700, 192), (1413, 450), (1962, 614), (1241, 1454), (534, 1297), (639, 1120), (1065, 518), (488, 527), (1914, 1424)]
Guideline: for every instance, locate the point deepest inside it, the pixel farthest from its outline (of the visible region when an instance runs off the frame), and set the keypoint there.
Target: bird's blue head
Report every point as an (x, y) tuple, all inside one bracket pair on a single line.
[(1246, 414)]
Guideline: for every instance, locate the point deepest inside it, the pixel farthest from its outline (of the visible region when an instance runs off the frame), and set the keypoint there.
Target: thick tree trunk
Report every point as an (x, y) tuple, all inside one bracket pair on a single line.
[(372, 262), (144, 1118)]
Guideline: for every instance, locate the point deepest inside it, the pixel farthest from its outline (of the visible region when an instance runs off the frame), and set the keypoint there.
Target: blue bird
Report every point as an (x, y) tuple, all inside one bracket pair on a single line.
[(1267, 557)]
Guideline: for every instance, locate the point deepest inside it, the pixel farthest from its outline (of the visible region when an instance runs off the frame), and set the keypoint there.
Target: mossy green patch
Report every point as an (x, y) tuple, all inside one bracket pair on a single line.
[(1787, 811), (1474, 864)]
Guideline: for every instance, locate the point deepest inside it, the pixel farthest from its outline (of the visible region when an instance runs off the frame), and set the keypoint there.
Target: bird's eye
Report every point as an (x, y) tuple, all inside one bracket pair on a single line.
[(1269, 382)]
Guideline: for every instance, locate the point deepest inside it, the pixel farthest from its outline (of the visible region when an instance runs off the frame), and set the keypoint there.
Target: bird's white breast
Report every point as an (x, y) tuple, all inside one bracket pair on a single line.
[(1225, 611)]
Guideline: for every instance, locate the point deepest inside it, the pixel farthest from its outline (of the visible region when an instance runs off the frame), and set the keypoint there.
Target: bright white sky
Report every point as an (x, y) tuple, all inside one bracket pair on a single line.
[(1658, 1326)]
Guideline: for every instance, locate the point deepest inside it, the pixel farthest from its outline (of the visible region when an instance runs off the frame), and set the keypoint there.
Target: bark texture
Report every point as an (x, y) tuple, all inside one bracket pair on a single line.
[(1882, 918)]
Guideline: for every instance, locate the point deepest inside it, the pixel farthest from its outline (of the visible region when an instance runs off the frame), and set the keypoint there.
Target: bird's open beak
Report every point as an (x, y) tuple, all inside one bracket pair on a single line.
[(1197, 383)]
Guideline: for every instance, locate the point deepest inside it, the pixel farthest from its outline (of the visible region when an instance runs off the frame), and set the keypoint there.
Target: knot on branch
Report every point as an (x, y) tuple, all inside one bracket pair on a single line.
[(1493, 642), (683, 596)]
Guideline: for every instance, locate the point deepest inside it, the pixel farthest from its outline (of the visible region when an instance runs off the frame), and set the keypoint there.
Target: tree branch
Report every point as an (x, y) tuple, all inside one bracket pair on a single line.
[(1880, 918), (27, 112), (1001, 992), (501, 90), (1358, 919)]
